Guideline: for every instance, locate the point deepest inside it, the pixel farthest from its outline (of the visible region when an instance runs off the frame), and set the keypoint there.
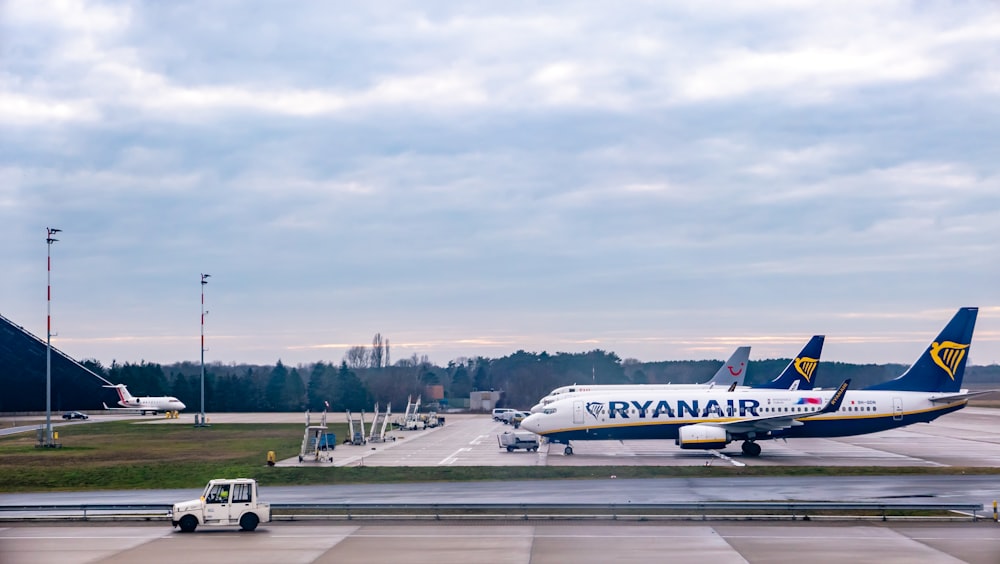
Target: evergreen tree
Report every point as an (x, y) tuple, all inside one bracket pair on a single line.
[(275, 390), (295, 391)]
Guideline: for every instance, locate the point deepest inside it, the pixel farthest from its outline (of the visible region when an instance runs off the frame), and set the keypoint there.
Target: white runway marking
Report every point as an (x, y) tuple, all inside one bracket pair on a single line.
[(453, 457)]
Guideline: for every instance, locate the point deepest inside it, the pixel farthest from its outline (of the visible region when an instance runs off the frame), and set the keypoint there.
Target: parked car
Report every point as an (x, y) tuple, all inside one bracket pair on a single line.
[(499, 412), (75, 415), (517, 417)]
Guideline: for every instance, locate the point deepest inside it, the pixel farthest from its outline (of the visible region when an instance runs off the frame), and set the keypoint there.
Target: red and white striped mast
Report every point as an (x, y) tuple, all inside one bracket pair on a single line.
[(49, 239)]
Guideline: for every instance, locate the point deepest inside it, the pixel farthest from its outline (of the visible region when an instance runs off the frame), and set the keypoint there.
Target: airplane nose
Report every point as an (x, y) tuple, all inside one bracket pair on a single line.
[(531, 423), (182, 405)]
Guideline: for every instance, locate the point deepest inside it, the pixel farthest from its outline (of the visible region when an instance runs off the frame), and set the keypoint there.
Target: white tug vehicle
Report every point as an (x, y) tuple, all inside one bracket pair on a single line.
[(224, 502)]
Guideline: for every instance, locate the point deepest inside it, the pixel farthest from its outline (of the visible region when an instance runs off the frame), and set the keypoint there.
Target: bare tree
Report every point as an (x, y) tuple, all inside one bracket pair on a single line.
[(377, 355), (356, 357)]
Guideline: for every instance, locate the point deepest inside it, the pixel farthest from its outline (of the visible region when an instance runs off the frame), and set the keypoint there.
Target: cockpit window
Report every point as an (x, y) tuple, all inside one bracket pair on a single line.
[(549, 410)]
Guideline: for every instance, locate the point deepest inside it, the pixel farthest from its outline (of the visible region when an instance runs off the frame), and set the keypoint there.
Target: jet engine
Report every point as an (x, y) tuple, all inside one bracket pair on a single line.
[(702, 436)]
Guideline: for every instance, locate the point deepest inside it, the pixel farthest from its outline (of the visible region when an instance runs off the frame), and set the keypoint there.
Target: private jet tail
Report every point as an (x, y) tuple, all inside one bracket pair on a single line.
[(801, 371), (734, 371), (124, 397), (942, 366)]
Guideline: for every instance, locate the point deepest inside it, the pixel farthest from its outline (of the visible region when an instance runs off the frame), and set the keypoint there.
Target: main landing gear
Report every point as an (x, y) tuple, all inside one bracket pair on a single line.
[(751, 448)]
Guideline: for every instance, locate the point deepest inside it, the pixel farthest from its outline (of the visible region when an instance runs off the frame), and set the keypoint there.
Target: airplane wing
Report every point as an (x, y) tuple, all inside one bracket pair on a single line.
[(784, 421), (135, 410), (964, 394)]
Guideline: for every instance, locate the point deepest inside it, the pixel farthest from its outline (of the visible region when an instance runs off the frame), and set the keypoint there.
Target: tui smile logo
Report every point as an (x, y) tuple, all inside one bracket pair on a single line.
[(595, 408), (948, 355), (806, 366)]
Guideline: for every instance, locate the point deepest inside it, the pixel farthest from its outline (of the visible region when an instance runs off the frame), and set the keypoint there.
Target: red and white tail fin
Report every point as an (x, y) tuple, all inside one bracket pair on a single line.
[(124, 398)]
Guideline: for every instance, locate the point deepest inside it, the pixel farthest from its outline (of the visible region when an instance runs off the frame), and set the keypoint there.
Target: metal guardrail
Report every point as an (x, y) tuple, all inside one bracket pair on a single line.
[(522, 510)]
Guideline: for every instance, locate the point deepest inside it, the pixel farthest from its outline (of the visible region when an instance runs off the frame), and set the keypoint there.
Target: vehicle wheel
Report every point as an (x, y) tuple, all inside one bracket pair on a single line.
[(510, 449), (568, 450), (188, 523), (535, 449), (248, 521), (751, 449)]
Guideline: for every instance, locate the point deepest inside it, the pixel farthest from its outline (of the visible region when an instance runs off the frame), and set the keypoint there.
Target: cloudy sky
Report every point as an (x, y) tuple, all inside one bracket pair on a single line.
[(661, 180)]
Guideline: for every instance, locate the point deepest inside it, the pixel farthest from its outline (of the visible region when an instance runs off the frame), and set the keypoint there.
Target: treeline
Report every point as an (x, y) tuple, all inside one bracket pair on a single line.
[(357, 382)]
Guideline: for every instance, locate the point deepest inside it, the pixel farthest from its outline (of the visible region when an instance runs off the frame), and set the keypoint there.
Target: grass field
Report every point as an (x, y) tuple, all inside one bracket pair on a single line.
[(124, 455)]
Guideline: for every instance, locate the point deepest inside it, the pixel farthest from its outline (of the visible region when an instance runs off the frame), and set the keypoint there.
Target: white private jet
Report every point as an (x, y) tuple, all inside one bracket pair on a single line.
[(711, 419), (144, 405)]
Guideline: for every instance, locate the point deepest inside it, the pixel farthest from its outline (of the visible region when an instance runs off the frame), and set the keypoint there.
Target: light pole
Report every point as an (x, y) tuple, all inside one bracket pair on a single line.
[(48, 336), (204, 280)]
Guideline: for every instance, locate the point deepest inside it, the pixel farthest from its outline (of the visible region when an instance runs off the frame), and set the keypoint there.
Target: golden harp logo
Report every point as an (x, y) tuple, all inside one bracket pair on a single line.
[(948, 355), (806, 366)]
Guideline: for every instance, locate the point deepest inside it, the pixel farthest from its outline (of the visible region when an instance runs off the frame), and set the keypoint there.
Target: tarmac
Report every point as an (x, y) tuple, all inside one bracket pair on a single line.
[(969, 437), (507, 543)]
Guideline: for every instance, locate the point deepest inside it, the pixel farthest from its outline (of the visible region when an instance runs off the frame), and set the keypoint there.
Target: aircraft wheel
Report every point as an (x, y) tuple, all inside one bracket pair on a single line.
[(751, 448), (188, 523), (568, 450), (248, 521)]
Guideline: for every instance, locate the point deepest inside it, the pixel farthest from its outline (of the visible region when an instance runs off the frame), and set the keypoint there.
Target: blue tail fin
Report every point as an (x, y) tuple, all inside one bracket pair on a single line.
[(942, 366), (801, 369)]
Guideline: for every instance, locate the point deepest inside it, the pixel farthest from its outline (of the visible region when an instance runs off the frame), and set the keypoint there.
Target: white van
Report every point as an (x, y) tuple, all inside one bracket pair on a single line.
[(499, 411)]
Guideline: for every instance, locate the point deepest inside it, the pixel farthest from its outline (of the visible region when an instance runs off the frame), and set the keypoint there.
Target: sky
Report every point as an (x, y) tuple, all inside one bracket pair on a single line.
[(665, 181)]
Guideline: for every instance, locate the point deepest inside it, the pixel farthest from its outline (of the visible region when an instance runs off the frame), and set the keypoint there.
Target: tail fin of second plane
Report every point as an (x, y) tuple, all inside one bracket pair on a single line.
[(734, 371), (942, 366), (801, 371), (123, 395)]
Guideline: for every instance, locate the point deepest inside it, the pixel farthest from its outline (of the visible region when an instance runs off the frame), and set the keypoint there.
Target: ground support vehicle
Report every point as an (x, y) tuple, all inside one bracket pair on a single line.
[(513, 440), (224, 502)]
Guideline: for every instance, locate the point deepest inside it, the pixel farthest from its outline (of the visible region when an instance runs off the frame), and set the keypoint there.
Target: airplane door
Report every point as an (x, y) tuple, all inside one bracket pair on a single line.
[(897, 409), (578, 412)]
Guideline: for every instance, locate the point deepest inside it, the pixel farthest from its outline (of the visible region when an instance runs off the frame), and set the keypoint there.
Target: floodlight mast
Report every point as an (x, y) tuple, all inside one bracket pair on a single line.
[(49, 239), (204, 281)]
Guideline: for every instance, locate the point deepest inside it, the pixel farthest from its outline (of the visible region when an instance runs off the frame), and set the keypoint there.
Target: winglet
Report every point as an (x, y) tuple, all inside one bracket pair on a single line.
[(837, 398), (732, 387), (106, 405)]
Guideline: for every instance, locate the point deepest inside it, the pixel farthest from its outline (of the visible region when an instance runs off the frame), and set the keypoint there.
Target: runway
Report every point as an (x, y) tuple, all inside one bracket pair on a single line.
[(503, 543)]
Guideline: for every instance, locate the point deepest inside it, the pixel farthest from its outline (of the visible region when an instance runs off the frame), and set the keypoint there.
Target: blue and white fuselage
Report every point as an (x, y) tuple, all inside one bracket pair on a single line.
[(744, 414)]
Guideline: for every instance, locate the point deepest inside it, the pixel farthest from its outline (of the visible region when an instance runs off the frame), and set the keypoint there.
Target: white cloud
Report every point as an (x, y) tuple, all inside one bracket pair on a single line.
[(21, 110)]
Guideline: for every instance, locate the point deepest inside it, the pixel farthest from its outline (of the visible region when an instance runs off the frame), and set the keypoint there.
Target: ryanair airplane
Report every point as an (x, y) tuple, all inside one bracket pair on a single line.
[(711, 419)]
